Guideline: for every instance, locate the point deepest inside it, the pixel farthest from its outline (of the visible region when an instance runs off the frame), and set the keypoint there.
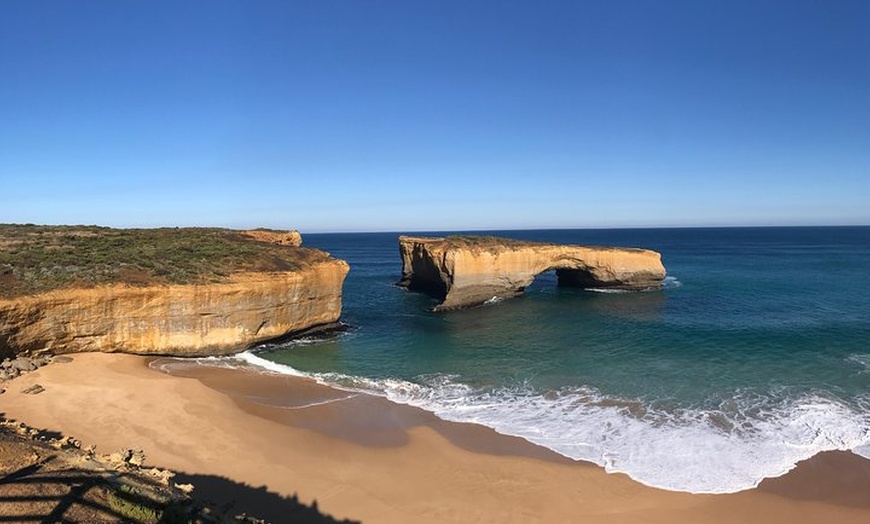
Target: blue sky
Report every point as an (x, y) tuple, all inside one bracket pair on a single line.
[(433, 115)]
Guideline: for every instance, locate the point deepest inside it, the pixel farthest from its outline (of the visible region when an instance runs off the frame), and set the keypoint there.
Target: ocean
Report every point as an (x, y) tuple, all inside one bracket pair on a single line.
[(753, 356)]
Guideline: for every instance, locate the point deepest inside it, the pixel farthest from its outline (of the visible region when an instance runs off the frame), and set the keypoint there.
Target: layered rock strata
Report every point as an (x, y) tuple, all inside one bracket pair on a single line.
[(469, 271), (280, 238), (242, 309)]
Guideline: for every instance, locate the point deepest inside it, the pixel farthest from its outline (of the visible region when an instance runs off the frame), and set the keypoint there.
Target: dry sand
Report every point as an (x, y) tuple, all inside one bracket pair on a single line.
[(259, 439)]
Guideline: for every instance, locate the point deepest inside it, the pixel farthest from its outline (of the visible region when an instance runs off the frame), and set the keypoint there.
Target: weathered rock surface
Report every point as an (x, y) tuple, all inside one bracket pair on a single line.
[(23, 364), (281, 238), (267, 287), (468, 271), (11, 368), (182, 320), (35, 389)]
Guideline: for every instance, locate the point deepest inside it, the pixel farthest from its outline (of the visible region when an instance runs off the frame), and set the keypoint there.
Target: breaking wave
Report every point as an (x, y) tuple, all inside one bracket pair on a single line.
[(728, 448)]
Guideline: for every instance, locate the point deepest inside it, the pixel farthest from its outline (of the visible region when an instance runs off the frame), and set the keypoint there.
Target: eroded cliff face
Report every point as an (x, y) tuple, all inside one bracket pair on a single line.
[(166, 291), (280, 238), (183, 320), (468, 271)]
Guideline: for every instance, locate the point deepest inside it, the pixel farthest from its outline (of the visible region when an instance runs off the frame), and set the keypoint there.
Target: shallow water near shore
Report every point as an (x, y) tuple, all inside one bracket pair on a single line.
[(753, 356)]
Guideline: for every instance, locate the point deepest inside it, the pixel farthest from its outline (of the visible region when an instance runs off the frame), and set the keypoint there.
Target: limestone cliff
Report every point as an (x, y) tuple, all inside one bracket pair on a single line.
[(468, 271), (280, 238), (275, 292)]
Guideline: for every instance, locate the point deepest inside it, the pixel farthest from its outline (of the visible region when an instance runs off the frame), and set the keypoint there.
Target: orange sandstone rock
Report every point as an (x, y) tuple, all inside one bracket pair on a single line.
[(468, 271), (197, 291), (269, 236), (183, 320)]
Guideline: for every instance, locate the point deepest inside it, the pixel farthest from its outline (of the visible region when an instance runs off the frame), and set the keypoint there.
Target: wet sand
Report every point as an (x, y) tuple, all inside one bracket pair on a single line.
[(365, 458)]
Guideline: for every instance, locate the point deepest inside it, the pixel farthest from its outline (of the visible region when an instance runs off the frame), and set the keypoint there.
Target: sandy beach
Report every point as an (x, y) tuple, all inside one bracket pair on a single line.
[(258, 440)]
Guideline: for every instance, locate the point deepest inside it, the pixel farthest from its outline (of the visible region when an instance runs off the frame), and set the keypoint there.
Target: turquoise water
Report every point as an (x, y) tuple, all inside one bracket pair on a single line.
[(755, 354)]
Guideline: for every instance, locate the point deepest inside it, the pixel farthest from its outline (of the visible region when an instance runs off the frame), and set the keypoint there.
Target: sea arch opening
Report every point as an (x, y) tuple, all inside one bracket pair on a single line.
[(560, 276), (575, 277)]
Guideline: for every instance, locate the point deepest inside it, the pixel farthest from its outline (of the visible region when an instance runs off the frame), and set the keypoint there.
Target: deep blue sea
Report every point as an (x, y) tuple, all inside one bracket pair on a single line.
[(754, 356)]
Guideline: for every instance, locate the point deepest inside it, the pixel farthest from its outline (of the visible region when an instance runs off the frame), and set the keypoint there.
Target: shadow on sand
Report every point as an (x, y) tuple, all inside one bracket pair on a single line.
[(73, 496), (39, 483), (30, 494), (236, 498)]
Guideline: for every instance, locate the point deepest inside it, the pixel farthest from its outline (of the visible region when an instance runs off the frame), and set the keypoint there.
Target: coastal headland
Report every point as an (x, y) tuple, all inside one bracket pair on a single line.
[(171, 291), (465, 271)]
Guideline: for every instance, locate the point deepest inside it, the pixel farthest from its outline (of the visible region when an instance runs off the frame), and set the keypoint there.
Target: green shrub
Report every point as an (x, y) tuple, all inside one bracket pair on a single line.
[(128, 504)]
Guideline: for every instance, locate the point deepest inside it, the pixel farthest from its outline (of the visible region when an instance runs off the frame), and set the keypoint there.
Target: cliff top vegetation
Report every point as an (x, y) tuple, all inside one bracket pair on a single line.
[(496, 244), (489, 241), (36, 259)]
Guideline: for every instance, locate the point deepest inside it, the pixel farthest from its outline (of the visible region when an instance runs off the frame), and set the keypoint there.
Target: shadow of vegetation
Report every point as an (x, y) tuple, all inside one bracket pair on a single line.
[(67, 495), (236, 498), (38, 483), (31, 495)]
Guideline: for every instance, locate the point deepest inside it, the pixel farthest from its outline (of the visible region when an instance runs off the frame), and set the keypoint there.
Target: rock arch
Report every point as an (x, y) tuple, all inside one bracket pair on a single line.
[(465, 271)]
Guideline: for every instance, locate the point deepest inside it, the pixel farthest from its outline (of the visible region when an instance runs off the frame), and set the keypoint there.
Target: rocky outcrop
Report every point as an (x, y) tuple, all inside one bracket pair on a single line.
[(40, 466), (468, 271), (11, 368), (267, 288), (182, 320), (270, 236)]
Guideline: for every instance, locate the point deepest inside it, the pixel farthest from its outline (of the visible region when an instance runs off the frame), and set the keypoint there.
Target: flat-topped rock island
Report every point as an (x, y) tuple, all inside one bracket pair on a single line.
[(465, 271), (170, 291)]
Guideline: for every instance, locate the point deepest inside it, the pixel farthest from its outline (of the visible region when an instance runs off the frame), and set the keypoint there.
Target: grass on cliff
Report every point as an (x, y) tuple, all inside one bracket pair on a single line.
[(41, 258), (488, 242), (494, 244), (136, 507)]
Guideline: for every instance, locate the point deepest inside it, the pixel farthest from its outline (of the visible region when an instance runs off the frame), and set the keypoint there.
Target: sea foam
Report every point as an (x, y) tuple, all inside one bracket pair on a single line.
[(668, 283), (862, 359), (723, 450)]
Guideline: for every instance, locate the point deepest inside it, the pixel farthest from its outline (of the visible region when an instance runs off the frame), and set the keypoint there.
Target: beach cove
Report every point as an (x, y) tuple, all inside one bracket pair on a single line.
[(572, 262), (364, 458)]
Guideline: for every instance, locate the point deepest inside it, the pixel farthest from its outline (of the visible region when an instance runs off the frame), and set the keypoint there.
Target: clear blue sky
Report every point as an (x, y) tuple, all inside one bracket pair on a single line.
[(414, 115)]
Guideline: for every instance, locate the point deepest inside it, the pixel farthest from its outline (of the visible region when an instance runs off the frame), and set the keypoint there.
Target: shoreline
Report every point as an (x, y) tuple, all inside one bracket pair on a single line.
[(365, 458)]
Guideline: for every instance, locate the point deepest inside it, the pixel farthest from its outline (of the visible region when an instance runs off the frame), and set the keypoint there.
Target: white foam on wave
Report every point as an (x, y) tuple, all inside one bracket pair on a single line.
[(671, 282), (253, 360), (724, 450), (697, 451), (168, 364), (862, 359), (607, 291), (667, 283), (864, 449)]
